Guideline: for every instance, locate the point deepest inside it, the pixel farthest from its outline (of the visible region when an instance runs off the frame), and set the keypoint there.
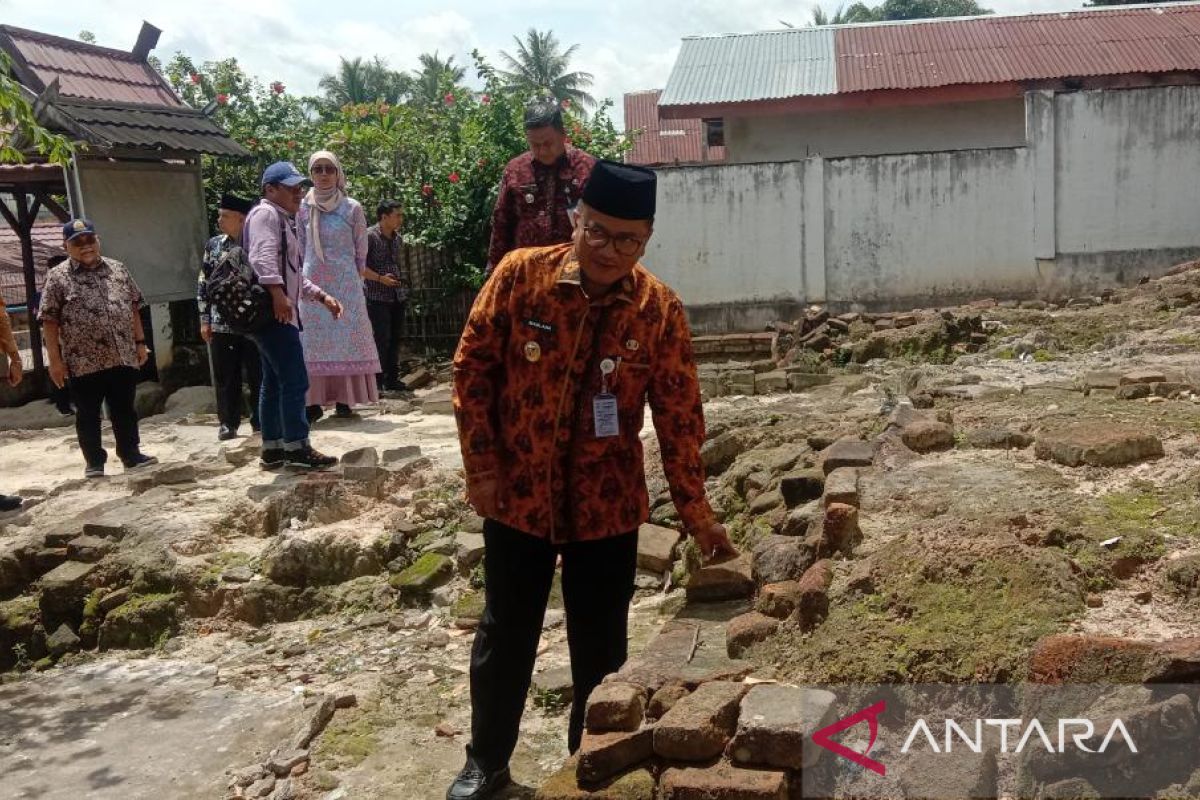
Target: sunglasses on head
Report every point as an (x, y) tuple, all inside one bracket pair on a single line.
[(323, 169)]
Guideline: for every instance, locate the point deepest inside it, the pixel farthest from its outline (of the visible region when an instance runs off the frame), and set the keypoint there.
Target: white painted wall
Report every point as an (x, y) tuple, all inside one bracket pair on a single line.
[(919, 228), (724, 232), (1107, 190), (834, 134), (1128, 169)]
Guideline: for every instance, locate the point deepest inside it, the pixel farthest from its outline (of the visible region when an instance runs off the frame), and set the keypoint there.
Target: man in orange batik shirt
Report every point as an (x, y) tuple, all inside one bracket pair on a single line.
[(562, 350)]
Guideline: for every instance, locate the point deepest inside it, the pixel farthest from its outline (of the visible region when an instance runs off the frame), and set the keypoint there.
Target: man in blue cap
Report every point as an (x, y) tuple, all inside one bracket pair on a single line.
[(274, 253), (91, 314)]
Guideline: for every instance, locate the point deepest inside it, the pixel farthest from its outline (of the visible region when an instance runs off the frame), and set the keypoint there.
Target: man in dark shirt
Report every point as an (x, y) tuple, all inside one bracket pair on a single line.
[(538, 186), (386, 282), (229, 351)]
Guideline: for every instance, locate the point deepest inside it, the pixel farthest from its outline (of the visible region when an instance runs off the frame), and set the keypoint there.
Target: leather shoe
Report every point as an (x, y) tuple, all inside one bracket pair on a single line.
[(226, 433), (473, 783)]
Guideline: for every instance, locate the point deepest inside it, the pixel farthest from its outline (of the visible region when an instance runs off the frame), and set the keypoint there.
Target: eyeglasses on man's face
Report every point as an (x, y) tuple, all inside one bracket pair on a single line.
[(597, 237)]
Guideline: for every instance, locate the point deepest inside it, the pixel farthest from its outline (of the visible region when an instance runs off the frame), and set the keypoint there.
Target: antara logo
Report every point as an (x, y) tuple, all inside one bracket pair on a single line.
[(871, 715), (1078, 731)]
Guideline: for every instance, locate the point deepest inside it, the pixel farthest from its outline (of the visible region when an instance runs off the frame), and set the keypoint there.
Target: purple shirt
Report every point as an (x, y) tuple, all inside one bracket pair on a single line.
[(261, 237)]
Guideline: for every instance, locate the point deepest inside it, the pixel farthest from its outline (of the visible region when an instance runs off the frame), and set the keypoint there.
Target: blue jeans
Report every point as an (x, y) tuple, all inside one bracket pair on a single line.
[(284, 385)]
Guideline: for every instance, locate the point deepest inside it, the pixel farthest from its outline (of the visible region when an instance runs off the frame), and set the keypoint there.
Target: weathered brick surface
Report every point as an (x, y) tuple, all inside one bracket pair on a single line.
[(847, 453), (603, 755), (775, 722), (779, 600), (1098, 444), (841, 486), (925, 435), (747, 630), (615, 707), (665, 699), (699, 726), (636, 784), (723, 782), (730, 580), (656, 547), (841, 527), (812, 604)]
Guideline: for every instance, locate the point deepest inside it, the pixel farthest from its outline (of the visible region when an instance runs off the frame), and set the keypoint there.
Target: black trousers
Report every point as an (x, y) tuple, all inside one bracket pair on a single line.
[(387, 319), (597, 585), (116, 387), (232, 353)]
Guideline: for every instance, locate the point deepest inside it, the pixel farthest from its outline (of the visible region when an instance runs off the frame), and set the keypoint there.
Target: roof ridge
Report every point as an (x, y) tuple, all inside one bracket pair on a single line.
[(183, 110), (1169, 5), (73, 44)]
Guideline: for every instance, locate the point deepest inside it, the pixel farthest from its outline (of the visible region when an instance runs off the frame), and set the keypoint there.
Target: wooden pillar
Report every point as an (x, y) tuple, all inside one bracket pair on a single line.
[(25, 218)]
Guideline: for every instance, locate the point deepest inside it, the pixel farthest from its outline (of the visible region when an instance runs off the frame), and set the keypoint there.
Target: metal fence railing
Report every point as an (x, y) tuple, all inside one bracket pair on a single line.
[(434, 319)]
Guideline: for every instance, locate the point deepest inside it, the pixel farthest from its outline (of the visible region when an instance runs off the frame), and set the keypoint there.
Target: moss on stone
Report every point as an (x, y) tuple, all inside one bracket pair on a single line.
[(141, 622), (424, 574), (350, 738), (635, 785), (931, 620), (469, 606), (18, 613)]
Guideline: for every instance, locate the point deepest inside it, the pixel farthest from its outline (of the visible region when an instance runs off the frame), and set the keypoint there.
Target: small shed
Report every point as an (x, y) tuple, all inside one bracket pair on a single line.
[(136, 173)]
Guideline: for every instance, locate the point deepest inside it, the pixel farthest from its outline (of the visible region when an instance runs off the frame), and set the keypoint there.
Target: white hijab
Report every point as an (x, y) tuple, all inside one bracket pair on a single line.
[(323, 200)]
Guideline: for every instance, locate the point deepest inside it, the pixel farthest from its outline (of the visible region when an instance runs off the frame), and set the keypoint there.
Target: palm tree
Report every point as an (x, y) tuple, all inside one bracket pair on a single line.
[(859, 12), (540, 67), (359, 81), (429, 83)]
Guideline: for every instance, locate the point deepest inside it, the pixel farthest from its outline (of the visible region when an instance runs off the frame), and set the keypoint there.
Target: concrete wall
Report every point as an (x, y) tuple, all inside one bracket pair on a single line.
[(918, 129), (1127, 189), (890, 222), (1106, 191)]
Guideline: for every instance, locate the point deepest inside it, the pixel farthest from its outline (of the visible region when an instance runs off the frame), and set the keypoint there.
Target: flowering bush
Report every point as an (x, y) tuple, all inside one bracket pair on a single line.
[(442, 161)]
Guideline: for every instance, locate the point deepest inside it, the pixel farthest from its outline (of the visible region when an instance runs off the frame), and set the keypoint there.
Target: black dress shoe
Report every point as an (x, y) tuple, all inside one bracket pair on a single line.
[(226, 433), (9, 503), (473, 783), (313, 413)]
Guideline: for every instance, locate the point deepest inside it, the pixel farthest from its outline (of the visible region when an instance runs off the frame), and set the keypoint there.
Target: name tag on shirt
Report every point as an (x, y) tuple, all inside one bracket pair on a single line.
[(604, 416)]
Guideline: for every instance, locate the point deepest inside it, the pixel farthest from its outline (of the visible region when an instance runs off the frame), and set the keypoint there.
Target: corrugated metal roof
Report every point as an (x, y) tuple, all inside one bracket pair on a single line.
[(88, 70), (156, 127), (929, 53), (675, 141), (756, 66), (1006, 49)]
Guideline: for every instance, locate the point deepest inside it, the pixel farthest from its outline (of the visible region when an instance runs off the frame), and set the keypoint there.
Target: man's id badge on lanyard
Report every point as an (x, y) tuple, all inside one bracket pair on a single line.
[(604, 405)]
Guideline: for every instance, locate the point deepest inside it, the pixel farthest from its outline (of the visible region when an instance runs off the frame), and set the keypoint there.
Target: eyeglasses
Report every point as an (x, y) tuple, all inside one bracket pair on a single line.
[(323, 169), (597, 237), (82, 241)]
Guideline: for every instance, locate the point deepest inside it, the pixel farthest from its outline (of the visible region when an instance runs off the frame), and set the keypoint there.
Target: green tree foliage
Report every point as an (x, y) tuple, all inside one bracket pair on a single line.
[(435, 78), (20, 132), (360, 81), (542, 67), (891, 10)]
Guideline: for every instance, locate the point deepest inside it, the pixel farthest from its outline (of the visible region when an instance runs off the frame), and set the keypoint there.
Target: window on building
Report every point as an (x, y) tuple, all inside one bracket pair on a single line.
[(714, 132)]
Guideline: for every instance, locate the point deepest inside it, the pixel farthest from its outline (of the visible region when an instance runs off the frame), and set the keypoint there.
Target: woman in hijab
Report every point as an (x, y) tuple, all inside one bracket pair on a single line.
[(339, 353)]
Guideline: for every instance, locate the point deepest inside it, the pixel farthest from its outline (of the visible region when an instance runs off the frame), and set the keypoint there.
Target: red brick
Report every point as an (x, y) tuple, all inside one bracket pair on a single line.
[(779, 600), (615, 707), (602, 755), (813, 600), (723, 782), (841, 527), (747, 630), (699, 726)]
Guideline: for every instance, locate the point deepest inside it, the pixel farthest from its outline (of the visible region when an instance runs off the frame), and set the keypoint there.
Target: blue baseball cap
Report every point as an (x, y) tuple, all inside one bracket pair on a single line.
[(78, 227), (283, 172)]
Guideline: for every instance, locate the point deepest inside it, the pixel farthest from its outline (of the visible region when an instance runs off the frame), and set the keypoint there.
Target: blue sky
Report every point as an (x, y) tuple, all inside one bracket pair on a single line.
[(626, 44)]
